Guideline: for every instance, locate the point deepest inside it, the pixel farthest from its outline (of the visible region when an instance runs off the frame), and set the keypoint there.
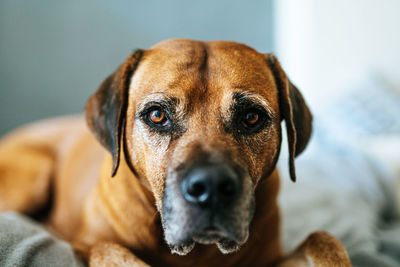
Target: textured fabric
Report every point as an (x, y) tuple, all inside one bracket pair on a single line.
[(25, 243), (348, 178)]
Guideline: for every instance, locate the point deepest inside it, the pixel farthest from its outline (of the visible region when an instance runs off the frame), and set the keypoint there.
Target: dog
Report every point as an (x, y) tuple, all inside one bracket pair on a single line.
[(190, 131)]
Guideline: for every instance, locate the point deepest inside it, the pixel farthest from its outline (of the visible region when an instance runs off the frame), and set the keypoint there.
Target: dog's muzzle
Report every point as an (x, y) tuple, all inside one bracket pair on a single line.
[(208, 203)]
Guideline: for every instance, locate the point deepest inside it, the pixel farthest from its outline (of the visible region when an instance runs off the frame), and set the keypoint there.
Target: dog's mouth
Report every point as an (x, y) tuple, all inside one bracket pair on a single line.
[(225, 241), (210, 235)]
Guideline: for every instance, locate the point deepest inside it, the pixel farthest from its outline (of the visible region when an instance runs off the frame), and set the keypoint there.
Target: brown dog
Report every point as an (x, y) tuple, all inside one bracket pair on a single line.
[(194, 133)]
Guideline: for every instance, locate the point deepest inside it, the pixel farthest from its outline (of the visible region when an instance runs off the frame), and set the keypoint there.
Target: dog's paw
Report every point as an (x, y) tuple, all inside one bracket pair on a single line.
[(111, 254)]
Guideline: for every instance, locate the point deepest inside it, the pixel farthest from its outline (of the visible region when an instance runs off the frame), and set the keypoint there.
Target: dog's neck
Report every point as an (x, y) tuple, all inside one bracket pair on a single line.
[(132, 219)]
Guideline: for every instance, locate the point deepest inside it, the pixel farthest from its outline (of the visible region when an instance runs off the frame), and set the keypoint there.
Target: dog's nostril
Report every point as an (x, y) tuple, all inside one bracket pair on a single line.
[(196, 189), (227, 188)]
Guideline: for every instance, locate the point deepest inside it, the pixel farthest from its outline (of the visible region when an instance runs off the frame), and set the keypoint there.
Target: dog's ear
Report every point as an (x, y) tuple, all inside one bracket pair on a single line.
[(106, 108), (294, 111)]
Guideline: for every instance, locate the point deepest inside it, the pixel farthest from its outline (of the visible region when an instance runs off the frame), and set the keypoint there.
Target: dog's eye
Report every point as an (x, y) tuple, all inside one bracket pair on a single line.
[(251, 119), (157, 116)]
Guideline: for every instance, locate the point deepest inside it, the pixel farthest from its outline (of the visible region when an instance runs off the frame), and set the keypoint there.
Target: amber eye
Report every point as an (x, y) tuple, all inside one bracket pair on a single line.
[(157, 116), (251, 119)]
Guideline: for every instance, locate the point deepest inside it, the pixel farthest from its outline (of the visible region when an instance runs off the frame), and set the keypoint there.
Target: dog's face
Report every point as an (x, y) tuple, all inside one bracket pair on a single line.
[(200, 123)]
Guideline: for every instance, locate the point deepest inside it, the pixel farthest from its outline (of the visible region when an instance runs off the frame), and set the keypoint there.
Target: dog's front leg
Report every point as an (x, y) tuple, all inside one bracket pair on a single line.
[(319, 249), (112, 254)]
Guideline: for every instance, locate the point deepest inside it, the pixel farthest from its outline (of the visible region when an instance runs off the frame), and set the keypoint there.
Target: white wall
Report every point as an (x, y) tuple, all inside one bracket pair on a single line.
[(325, 45)]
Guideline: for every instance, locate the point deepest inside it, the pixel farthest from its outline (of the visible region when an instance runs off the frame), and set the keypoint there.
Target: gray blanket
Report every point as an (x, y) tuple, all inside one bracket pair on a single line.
[(346, 187), (349, 177), (24, 243)]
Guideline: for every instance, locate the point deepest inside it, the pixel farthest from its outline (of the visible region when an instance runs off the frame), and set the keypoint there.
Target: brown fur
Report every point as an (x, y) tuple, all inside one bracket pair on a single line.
[(89, 208)]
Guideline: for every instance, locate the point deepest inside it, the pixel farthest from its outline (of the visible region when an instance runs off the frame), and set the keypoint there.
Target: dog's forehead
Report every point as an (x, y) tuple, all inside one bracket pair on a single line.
[(240, 68), (180, 67)]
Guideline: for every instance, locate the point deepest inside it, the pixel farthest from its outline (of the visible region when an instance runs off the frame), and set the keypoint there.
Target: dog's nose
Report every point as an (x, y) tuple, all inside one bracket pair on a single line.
[(206, 185)]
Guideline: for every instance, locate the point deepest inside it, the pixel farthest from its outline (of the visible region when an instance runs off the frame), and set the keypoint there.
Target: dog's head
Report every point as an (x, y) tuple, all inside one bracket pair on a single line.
[(200, 123)]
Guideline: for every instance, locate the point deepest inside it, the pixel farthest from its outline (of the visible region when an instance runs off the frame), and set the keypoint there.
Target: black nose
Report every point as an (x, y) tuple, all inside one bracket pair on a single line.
[(210, 184)]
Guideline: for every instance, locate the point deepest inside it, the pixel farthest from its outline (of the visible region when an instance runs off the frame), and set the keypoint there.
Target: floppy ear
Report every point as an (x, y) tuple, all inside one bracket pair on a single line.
[(106, 108), (294, 111)]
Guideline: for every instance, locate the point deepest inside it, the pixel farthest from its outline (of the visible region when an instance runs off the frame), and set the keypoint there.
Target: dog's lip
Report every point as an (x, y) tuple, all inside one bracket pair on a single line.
[(207, 236), (210, 234), (210, 229)]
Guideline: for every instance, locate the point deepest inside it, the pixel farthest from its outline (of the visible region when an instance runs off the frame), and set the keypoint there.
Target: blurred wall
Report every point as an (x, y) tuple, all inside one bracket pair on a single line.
[(326, 46), (54, 54)]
